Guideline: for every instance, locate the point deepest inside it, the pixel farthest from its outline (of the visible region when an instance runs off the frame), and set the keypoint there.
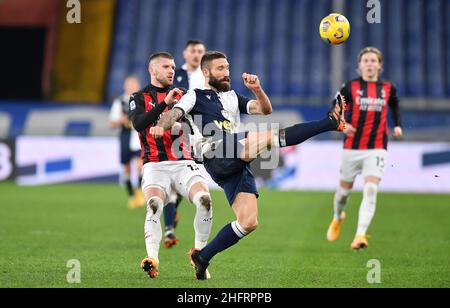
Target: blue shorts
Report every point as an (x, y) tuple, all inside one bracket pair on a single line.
[(232, 174)]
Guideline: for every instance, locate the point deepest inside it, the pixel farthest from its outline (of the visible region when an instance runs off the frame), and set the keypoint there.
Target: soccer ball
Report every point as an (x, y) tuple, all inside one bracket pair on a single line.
[(334, 29)]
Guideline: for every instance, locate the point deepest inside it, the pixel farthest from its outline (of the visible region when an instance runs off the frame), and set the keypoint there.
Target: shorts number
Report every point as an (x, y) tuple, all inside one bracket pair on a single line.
[(193, 167), (380, 162), (5, 162)]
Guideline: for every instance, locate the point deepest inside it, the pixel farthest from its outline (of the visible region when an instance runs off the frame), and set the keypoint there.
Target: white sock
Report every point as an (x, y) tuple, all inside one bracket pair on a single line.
[(203, 218), (340, 201), (237, 228), (367, 209), (152, 227)]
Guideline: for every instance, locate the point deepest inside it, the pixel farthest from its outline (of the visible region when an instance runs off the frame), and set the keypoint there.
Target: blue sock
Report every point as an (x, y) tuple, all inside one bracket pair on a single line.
[(169, 216), (227, 237), (301, 132)]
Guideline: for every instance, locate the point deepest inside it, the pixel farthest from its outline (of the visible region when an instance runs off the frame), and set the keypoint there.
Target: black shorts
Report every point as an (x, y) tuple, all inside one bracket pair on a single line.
[(231, 173), (126, 155)]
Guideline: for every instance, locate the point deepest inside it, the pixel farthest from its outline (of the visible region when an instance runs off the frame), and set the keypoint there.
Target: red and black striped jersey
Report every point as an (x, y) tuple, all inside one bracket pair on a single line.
[(367, 104), (146, 107)]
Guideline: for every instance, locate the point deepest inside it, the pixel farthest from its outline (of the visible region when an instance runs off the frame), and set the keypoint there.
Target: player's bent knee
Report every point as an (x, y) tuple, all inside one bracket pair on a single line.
[(250, 225), (203, 199), (206, 201), (154, 205), (342, 194)]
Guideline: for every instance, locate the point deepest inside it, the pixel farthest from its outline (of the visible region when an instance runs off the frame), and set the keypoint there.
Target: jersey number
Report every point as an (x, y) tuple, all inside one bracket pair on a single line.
[(380, 162), (193, 168)]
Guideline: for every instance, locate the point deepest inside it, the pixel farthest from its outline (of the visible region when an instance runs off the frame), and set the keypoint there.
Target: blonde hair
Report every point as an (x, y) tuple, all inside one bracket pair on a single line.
[(374, 50)]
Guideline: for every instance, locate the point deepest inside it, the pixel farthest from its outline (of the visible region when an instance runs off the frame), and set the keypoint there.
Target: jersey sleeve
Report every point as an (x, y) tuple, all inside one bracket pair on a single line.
[(394, 106), (137, 105), (138, 115), (243, 103), (187, 102)]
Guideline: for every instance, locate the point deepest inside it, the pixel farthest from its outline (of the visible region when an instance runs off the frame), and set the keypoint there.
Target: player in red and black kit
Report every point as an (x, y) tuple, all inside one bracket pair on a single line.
[(168, 164), (365, 144)]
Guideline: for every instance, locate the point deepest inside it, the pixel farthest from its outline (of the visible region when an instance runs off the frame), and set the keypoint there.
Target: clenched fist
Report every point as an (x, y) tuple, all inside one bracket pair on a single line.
[(251, 81), (157, 132)]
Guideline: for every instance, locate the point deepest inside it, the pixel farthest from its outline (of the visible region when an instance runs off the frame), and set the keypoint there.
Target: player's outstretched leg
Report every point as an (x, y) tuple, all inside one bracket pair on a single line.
[(334, 121), (258, 142)]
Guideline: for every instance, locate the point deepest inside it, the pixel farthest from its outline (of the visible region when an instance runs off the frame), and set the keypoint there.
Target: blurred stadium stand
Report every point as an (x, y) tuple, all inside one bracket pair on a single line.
[(278, 40)]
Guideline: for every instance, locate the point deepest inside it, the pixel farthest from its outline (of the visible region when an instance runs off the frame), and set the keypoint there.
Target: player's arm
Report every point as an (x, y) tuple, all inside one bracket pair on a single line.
[(168, 119), (142, 119), (394, 106), (260, 105)]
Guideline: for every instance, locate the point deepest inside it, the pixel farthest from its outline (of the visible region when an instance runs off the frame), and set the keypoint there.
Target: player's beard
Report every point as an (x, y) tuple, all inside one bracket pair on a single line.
[(222, 85), (164, 81)]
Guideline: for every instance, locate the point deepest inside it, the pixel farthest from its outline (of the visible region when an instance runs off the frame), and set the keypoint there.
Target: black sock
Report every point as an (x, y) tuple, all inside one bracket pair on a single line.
[(227, 237), (301, 132), (129, 187), (169, 215)]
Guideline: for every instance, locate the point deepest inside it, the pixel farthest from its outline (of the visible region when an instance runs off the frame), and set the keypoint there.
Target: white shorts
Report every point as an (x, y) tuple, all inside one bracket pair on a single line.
[(365, 162), (170, 176)]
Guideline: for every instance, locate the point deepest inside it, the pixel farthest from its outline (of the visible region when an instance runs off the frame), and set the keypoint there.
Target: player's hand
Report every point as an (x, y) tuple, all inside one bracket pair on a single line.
[(349, 130), (173, 96), (251, 81), (398, 132), (157, 132), (176, 128)]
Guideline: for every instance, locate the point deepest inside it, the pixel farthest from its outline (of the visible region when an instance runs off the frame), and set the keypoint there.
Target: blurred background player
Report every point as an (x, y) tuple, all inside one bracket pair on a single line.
[(365, 144), (129, 141), (166, 166), (189, 76)]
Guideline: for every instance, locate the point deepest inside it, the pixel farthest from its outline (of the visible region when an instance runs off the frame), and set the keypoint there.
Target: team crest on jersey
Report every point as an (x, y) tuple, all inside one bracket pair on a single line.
[(132, 105), (208, 97), (179, 78)]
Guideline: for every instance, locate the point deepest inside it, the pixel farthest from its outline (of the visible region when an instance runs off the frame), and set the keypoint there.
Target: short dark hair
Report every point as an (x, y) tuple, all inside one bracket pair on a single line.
[(162, 54), (193, 42), (210, 56)]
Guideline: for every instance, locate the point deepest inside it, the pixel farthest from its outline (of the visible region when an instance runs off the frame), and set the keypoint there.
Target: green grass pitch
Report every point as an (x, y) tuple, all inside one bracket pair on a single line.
[(44, 227)]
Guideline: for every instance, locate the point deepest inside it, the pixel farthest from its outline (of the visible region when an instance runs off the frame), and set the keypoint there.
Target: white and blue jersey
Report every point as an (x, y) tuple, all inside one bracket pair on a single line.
[(217, 109), (215, 118)]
